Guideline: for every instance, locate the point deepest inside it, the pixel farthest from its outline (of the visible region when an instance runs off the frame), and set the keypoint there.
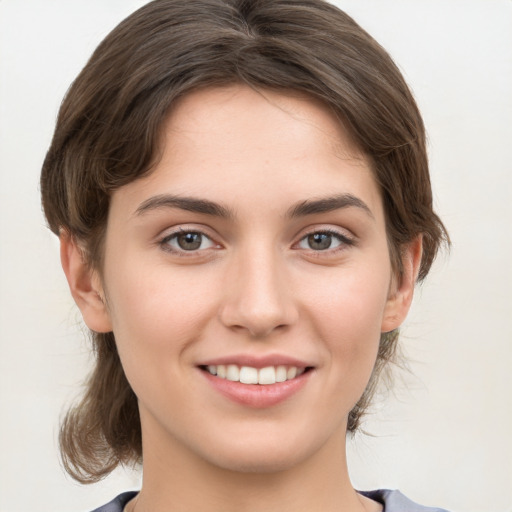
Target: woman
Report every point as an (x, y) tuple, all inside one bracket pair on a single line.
[(242, 196)]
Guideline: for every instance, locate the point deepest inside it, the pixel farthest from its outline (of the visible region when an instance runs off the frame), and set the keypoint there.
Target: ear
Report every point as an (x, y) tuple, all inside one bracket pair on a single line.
[(84, 284), (402, 287)]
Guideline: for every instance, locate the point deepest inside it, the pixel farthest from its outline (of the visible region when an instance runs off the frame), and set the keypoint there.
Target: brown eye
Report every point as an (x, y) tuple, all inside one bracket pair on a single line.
[(319, 241), (187, 241), (324, 240)]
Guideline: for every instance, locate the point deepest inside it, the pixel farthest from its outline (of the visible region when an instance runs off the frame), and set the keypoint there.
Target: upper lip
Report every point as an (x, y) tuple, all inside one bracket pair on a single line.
[(257, 361)]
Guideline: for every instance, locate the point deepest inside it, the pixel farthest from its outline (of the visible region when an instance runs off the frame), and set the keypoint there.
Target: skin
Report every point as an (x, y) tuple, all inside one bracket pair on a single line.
[(255, 286)]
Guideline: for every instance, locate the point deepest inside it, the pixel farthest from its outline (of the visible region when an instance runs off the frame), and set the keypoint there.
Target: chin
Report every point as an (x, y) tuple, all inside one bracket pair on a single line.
[(263, 463), (270, 454)]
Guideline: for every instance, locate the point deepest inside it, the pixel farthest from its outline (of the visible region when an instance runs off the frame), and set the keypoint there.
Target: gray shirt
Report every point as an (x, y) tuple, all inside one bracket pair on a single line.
[(392, 501)]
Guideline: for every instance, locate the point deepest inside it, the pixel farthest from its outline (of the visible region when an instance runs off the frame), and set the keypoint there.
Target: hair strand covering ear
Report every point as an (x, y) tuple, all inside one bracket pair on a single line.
[(108, 135)]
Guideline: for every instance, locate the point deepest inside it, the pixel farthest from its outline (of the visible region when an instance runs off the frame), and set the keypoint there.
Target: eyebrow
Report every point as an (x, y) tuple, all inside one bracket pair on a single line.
[(190, 204), (328, 204), (206, 207)]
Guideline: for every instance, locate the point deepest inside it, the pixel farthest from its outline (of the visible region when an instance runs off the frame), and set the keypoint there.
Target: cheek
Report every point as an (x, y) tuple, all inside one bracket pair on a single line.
[(156, 310), (155, 318), (347, 314), (349, 304)]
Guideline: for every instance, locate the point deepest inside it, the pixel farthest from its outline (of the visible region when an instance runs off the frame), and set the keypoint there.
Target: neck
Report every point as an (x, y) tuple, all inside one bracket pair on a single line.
[(175, 479)]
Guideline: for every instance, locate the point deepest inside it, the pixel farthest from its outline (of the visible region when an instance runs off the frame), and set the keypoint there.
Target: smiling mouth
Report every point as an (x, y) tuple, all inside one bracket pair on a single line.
[(250, 375)]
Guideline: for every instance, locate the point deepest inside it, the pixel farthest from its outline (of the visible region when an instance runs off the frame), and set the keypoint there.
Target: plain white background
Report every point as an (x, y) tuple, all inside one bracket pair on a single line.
[(444, 437)]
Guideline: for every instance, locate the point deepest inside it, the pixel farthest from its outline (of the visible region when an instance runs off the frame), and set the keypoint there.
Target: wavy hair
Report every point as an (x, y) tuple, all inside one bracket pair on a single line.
[(107, 135)]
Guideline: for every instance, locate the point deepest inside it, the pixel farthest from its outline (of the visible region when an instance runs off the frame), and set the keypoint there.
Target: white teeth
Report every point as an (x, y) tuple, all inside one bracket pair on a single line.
[(267, 375), (250, 375), (281, 373), (232, 372), (221, 371), (292, 372)]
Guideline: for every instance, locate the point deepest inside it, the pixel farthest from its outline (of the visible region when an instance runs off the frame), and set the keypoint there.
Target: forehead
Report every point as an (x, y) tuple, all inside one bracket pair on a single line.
[(238, 110), (237, 144)]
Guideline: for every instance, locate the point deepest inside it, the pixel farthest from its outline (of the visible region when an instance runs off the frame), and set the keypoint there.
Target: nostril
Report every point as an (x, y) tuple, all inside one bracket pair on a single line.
[(259, 304)]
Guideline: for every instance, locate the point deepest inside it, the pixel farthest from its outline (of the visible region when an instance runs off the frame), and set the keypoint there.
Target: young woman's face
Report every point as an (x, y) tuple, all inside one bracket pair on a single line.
[(256, 252)]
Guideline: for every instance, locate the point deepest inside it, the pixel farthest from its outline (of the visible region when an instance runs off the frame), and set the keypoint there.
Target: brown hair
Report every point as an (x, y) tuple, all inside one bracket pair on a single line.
[(107, 135)]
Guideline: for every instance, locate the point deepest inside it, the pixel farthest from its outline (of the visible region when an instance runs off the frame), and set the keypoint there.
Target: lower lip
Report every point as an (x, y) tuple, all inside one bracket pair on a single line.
[(257, 395)]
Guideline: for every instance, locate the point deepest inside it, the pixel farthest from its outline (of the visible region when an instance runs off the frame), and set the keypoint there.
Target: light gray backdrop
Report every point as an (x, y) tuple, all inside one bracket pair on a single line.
[(445, 437)]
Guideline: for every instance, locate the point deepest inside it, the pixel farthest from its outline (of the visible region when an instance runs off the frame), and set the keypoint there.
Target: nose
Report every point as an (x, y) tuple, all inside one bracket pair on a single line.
[(258, 297)]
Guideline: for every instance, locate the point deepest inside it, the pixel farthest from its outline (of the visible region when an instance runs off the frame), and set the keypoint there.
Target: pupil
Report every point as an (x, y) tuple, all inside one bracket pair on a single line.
[(189, 241), (320, 241)]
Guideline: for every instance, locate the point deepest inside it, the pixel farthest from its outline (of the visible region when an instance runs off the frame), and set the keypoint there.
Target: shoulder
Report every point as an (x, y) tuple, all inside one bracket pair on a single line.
[(118, 503), (395, 501)]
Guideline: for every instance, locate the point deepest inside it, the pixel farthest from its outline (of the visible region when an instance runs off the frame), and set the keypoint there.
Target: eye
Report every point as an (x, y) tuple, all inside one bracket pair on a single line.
[(188, 241), (324, 240)]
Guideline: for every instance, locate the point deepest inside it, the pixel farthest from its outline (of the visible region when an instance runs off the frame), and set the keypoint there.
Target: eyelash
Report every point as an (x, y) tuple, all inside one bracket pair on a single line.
[(164, 243), (343, 240)]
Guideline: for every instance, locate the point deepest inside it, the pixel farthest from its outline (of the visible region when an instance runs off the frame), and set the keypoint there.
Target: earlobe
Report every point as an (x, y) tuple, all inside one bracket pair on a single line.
[(402, 289), (84, 284)]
